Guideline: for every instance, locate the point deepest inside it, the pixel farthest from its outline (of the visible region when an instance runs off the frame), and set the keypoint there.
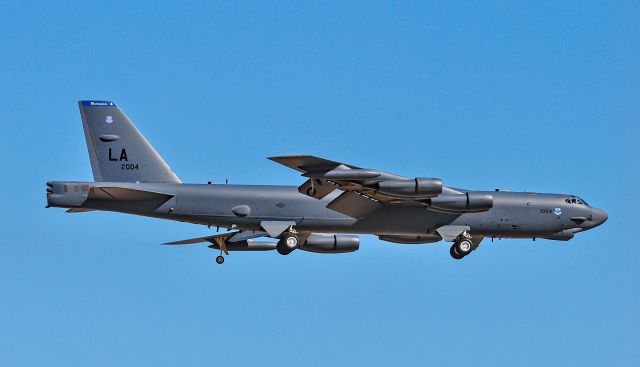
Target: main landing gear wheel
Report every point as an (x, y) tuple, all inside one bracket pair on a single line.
[(311, 191), (461, 248), (220, 259), (464, 246), (454, 253), (291, 241), (287, 244)]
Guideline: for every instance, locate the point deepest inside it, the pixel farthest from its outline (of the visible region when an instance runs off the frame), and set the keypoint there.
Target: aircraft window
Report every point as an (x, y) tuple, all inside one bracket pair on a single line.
[(575, 200)]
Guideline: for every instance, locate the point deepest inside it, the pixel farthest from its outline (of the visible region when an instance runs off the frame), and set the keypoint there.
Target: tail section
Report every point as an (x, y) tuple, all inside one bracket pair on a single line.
[(118, 151)]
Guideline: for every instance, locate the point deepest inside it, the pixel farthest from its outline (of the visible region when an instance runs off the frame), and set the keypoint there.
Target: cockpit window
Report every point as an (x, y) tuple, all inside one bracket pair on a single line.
[(575, 200)]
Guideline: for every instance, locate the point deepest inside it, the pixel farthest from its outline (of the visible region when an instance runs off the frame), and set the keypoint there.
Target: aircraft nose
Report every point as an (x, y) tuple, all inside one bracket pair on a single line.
[(598, 216)]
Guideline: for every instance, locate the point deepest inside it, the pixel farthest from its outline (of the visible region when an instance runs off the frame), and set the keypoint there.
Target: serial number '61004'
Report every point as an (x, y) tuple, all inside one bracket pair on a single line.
[(129, 166)]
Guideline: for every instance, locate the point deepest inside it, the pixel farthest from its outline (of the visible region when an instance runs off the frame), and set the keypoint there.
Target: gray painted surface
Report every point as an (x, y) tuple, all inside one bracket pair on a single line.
[(338, 198)]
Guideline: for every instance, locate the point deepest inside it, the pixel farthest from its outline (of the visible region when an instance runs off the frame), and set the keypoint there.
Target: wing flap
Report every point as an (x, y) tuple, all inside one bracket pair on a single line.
[(353, 204)]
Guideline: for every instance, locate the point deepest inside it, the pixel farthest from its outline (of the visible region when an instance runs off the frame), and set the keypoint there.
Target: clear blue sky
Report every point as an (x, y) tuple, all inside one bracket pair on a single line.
[(543, 97)]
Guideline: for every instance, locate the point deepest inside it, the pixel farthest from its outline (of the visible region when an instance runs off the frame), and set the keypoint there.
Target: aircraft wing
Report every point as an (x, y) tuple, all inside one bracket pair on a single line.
[(235, 236), (325, 176), (222, 240), (365, 190), (308, 163)]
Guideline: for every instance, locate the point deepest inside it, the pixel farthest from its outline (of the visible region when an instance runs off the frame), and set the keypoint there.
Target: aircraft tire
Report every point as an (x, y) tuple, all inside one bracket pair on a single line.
[(464, 246), (220, 259), (454, 253), (311, 191), (287, 244)]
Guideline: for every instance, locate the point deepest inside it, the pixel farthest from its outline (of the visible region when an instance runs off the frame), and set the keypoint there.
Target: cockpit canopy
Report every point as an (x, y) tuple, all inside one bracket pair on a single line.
[(575, 200)]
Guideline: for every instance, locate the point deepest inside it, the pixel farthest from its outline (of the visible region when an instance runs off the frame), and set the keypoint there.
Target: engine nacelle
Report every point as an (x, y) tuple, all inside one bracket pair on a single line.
[(331, 244), (416, 188), (469, 202)]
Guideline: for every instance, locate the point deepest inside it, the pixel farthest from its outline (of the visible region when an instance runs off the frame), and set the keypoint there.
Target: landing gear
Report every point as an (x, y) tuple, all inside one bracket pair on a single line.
[(287, 244), (311, 191), (462, 246), (220, 259), (454, 253)]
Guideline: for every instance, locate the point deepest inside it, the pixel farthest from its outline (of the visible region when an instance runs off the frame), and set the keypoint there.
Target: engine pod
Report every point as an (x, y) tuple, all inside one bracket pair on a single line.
[(462, 203), (416, 188)]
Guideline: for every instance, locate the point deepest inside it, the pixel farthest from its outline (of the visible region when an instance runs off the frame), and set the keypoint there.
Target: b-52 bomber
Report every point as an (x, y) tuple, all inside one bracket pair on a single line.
[(336, 201)]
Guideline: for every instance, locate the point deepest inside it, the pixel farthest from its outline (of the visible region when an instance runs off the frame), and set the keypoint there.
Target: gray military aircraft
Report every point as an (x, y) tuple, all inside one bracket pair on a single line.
[(335, 201)]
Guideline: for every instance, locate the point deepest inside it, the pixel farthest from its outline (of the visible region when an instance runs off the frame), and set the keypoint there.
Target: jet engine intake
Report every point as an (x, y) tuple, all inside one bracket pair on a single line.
[(416, 188), (331, 244), (469, 202)]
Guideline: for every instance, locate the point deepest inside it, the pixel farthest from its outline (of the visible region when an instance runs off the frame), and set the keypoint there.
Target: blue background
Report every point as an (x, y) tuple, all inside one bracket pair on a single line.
[(540, 97)]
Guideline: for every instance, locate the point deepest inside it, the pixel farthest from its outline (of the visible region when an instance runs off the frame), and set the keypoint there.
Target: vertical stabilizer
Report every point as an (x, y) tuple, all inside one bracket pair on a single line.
[(118, 151)]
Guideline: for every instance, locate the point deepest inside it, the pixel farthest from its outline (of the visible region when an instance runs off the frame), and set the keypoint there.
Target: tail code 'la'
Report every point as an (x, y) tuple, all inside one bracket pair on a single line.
[(118, 151)]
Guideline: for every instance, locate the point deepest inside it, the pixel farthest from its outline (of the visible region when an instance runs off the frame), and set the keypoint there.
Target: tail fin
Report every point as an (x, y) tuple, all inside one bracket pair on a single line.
[(118, 151)]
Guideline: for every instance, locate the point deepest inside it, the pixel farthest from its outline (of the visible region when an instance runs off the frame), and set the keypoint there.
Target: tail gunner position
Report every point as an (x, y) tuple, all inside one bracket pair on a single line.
[(321, 215)]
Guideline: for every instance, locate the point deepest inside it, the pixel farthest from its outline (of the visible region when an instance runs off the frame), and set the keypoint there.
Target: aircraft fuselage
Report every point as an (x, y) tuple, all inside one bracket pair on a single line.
[(244, 207)]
